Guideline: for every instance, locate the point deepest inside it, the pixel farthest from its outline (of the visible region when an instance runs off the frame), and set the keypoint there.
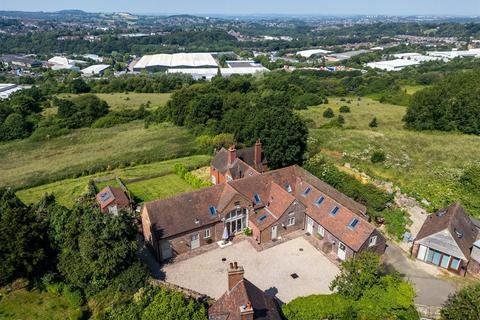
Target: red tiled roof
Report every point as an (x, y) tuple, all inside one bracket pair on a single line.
[(228, 305), (189, 211)]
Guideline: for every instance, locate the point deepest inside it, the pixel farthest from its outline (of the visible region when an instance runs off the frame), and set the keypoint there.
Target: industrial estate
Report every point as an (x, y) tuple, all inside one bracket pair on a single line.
[(239, 167)]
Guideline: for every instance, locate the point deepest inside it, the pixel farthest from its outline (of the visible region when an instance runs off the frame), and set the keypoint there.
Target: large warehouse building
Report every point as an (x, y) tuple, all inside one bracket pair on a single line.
[(159, 62)]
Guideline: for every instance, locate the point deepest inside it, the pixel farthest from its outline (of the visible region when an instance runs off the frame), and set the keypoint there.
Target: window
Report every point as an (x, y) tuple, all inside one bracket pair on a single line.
[(455, 264), (321, 230), (214, 180), (237, 203), (288, 188), (319, 200), (213, 211), (372, 241), (334, 211), (262, 218), (229, 178), (256, 197), (207, 233), (353, 223), (291, 221), (307, 191)]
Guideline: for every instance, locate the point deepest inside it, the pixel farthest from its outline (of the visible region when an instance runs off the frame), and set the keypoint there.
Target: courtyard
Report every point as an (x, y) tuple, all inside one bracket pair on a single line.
[(271, 270)]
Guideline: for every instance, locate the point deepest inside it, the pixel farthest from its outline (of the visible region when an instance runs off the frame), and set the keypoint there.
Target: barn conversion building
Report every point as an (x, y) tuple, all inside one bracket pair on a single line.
[(271, 204)]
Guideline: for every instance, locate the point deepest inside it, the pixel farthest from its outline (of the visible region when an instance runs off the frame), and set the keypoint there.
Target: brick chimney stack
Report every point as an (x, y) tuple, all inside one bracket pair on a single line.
[(235, 275), (232, 154), (246, 312), (258, 152)]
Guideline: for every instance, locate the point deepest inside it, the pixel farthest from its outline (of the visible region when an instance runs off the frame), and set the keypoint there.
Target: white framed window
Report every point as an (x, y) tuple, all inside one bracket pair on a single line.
[(207, 233), (372, 241), (229, 178), (291, 221), (214, 180), (321, 230)]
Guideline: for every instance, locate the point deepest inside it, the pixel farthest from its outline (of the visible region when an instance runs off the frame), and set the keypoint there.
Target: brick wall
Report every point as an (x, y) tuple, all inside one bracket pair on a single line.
[(296, 210), (473, 268), (182, 243)]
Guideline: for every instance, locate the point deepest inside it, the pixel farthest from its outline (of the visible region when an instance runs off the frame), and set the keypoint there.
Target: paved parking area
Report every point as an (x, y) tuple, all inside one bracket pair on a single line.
[(269, 270)]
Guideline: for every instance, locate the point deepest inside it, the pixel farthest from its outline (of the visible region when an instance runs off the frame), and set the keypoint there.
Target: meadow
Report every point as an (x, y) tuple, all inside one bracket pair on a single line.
[(156, 181), (130, 100), (36, 305), (27, 163), (426, 165)]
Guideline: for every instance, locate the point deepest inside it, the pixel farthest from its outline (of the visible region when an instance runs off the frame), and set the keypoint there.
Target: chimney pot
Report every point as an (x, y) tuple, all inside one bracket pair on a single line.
[(231, 265), (232, 154), (235, 265)]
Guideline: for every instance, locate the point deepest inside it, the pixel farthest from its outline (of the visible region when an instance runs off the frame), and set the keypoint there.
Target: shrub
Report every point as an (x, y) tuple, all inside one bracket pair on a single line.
[(373, 123), (180, 170), (344, 109), (248, 231), (74, 297), (378, 156), (328, 113), (396, 221), (340, 119), (465, 304)]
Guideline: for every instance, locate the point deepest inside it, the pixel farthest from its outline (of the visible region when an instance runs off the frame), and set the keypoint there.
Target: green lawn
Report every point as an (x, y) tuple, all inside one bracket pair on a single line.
[(27, 163), (36, 305), (129, 100), (411, 89), (67, 191), (427, 165), (159, 188)]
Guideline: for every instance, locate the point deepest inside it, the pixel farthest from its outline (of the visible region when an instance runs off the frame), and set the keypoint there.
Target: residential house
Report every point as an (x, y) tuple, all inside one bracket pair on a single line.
[(272, 204), (112, 199), (243, 300), (234, 164), (448, 239)]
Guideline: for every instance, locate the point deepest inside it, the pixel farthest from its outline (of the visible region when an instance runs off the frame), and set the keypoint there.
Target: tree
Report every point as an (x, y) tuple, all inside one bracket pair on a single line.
[(14, 127), (283, 134), (94, 247), (464, 304), (328, 113), (78, 85), (24, 247), (344, 109), (357, 275), (373, 123)]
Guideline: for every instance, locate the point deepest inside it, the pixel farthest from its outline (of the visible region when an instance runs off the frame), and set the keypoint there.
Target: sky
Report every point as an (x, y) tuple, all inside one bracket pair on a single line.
[(240, 7)]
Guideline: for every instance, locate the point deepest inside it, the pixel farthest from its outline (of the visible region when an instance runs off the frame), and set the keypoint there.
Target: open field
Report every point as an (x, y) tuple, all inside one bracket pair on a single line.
[(158, 188), (411, 89), (36, 305), (27, 163), (427, 165), (67, 191), (131, 100)]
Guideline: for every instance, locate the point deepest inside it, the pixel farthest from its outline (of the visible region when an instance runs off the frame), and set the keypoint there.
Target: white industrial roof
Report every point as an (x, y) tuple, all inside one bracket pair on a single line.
[(396, 64), (186, 60), (59, 60), (242, 70), (95, 69), (311, 52)]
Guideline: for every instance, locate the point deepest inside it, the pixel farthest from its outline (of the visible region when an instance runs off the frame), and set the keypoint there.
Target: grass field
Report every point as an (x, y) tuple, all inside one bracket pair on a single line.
[(158, 188), (36, 305), (29, 163), (129, 100), (411, 89), (427, 165), (67, 191)]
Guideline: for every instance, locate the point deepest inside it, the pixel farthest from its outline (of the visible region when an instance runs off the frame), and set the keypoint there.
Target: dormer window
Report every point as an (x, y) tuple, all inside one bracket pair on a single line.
[(307, 191), (334, 211), (256, 198), (319, 200), (213, 211), (288, 187)]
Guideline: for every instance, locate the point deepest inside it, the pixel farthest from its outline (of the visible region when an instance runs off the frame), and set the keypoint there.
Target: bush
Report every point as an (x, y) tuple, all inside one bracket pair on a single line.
[(74, 297), (340, 119), (248, 231), (378, 156), (344, 109), (180, 170), (465, 304), (317, 307), (45, 133), (396, 222), (328, 113), (373, 123)]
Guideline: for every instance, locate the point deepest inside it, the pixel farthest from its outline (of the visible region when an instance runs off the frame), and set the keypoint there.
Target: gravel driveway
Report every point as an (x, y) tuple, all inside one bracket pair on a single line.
[(269, 270)]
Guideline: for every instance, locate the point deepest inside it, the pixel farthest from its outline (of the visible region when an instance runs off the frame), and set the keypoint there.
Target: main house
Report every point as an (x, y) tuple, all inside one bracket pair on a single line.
[(270, 203), (449, 239)]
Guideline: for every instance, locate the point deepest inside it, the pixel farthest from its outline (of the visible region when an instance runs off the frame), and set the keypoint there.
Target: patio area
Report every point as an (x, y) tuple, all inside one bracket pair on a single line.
[(271, 269)]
